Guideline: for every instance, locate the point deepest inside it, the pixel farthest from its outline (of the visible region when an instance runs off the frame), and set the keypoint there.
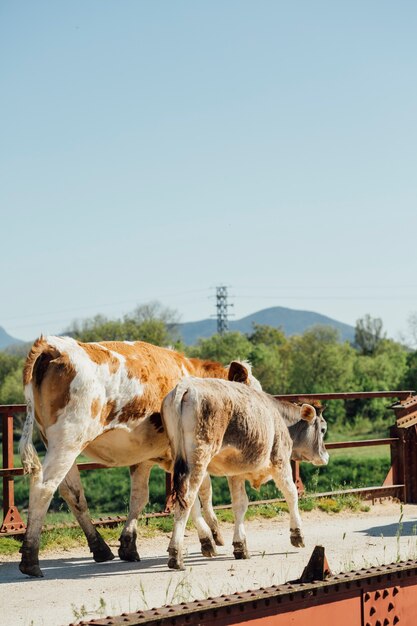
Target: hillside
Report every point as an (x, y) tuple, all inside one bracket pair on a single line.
[(292, 322), (7, 340)]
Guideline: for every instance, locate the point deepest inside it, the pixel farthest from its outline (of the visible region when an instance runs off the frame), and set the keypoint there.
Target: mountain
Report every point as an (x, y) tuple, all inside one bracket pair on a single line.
[(292, 322), (7, 340)]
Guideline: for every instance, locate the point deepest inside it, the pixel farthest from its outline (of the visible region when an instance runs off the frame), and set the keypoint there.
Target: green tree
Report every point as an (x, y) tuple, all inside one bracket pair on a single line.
[(267, 335), (368, 334), (385, 370), (223, 348), (11, 386), (269, 357), (321, 364), (150, 322), (409, 380)]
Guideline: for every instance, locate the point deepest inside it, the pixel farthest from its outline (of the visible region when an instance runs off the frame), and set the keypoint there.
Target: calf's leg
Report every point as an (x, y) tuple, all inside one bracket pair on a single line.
[(239, 506), (206, 499), (72, 491), (285, 483), (195, 476), (208, 547)]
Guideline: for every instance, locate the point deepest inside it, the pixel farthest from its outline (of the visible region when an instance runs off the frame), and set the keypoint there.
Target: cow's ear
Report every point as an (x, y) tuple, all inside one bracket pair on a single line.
[(238, 372), (308, 412)]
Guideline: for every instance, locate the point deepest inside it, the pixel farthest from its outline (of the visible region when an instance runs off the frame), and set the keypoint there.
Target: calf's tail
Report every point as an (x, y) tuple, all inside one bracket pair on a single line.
[(172, 411), (180, 481)]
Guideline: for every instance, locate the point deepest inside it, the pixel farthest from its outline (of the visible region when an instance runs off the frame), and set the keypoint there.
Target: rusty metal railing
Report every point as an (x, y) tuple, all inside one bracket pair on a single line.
[(400, 482), (375, 596)]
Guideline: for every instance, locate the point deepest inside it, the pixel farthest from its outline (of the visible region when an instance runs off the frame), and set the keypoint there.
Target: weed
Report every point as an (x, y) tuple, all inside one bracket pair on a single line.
[(398, 533), (79, 613), (143, 595)]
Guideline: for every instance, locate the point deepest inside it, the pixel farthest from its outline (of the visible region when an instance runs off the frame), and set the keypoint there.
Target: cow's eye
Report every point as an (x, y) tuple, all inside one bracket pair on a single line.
[(323, 430)]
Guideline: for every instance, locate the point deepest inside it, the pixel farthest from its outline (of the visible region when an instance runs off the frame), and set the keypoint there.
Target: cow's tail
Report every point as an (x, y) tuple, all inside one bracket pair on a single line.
[(172, 411), (34, 371), (30, 460)]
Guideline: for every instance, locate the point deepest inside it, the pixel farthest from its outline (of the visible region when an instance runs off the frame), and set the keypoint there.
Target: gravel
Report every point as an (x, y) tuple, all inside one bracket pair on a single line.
[(76, 587)]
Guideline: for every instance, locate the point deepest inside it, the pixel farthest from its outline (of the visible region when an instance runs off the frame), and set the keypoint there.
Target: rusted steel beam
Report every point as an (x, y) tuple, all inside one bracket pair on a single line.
[(333, 445), (406, 412), (385, 491), (361, 443), (354, 395), (378, 595), (296, 476), (317, 568), (11, 517), (12, 409)]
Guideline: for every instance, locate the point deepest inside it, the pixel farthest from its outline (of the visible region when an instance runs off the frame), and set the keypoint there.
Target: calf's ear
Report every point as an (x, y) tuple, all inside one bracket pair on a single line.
[(238, 372), (308, 412)]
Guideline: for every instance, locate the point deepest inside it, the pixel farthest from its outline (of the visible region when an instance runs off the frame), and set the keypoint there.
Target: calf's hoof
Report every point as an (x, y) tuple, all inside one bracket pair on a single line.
[(240, 550), (127, 550), (217, 536), (175, 561), (296, 538), (207, 547), (31, 569)]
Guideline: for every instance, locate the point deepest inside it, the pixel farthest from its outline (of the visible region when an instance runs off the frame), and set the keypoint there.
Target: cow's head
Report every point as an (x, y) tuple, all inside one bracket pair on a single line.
[(241, 372), (308, 436)]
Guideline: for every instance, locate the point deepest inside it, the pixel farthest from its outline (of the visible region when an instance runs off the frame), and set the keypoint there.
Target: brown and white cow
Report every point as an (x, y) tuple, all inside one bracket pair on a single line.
[(230, 430), (103, 399)]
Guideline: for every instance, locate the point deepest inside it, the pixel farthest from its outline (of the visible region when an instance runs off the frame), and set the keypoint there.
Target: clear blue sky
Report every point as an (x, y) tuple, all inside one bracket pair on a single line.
[(153, 150)]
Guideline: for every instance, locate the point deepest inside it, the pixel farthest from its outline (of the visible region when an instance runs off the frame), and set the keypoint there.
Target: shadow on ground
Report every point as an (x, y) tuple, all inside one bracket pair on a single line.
[(402, 529)]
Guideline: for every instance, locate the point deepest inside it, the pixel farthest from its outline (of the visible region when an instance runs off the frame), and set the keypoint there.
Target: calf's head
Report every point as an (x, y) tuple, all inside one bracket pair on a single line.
[(308, 436)]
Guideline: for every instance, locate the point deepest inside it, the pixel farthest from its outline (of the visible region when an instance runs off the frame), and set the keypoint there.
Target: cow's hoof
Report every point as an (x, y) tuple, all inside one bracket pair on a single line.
[(102, 554), (207, 547), (217, 536), (130, 554), (240, 550), (296, 538), (31, 569)]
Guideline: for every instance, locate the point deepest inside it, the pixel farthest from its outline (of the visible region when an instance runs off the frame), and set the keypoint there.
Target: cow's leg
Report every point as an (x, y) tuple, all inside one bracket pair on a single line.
[(56, 466), (208, 547), (72, 491), (139, 497), (206, 499), (285, 483), (239, 506)]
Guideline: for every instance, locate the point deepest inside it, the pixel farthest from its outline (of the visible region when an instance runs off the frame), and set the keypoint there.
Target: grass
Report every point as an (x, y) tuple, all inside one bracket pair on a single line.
[(69, 538)]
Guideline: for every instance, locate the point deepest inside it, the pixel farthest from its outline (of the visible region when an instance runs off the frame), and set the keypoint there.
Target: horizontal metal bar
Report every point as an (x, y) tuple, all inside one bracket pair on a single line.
[(361, 443), (384, 491), (10, 409), (18, 471), (401, 394), (353, 395)]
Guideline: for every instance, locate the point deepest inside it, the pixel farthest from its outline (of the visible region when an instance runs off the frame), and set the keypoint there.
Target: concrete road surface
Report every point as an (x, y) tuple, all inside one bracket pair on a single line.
[(76, 587)]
